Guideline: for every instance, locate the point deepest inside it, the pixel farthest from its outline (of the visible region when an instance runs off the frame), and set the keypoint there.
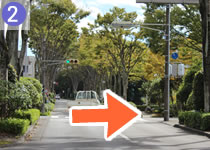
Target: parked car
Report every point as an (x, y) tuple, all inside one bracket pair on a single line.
[(57, 97), (87, 98)]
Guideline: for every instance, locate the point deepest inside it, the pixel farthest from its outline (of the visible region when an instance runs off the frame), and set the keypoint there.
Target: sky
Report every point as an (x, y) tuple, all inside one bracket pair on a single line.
[(96, 7), (102, 6)]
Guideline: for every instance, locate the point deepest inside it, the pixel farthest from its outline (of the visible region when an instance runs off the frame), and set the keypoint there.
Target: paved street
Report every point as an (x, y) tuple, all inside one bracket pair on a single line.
[(55, 133)]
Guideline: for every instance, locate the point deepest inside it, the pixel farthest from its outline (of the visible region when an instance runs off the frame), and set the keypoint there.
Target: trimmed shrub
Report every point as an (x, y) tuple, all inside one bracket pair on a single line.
[(186, 87), (195, 120), (198, 91), (205, 122), (34, 94), (49, 107), (14, 126), (19, 97), (52, 97), (192, 119), (36, 83), (46, 113), (32, 115), (181, 117)]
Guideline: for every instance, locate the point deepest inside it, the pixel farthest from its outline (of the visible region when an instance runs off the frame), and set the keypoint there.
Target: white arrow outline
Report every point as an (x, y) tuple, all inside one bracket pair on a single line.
[(105, 106)]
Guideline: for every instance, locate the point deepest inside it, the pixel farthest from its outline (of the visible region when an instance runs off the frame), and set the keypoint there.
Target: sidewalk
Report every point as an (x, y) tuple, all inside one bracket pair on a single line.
[(36, 130), (171, 122), (174, 122)]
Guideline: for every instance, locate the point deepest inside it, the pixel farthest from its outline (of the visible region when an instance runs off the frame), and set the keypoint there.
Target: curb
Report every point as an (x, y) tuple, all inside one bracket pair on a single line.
[(196, 131)]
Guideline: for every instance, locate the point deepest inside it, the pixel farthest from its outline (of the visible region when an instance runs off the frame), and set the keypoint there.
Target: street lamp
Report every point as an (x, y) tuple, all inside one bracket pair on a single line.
[(126, 24)]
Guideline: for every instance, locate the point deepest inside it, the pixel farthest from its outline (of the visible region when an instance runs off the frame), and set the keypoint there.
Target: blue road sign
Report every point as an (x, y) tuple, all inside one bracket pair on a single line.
[(174, 55)]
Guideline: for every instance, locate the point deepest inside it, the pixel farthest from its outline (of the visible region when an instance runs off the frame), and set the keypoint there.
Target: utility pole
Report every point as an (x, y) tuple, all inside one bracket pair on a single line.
[(167, 62), (167, 52), (43, 75)]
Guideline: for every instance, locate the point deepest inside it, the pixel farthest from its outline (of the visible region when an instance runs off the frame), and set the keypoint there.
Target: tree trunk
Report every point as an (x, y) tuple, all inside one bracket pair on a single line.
[(205, 12), (125, 85), (19, 64), (119, 84)]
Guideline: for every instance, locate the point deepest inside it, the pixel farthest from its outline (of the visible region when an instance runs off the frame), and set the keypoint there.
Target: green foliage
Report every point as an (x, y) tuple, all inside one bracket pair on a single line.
[(36, 83), (133, 104), (12, 97), (181, 117), (4, 91), (14, 126), (195, 120), (12, 74), (186, 87), (205, 122), (34, 94), (52, 97), (154, 90), (141, 107), (173, 110), (190, 102), (49, 107), (190, 119), (198, 91), (48, 113), (31, 114), (182, 27)]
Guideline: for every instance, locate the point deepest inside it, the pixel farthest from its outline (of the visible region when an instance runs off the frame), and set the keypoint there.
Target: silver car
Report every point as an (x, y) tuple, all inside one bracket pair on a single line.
[(87, 98)]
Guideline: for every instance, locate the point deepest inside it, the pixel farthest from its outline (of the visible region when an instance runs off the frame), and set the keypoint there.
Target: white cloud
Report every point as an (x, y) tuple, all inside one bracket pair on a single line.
[(101, 6), (84, 23), (94, 12)]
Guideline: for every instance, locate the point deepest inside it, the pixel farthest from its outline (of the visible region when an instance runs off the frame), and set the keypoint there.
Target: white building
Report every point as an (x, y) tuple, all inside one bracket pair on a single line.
[(29, 66)]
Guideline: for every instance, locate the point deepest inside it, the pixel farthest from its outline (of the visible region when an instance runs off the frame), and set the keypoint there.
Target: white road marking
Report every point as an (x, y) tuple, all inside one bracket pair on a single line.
[(141, 119), (54, 117)]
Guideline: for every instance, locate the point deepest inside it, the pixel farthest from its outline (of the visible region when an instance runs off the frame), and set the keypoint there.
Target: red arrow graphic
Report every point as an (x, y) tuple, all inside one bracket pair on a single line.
[(116, 115)]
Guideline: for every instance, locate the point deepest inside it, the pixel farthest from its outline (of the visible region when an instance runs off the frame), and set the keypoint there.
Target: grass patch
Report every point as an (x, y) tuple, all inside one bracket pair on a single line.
[(5, 143)]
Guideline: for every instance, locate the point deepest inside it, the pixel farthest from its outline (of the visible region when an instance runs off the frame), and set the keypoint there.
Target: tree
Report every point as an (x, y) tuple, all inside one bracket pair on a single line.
[(53, 33), (9, 47), (123, 46), (185, 22), (205, 11)]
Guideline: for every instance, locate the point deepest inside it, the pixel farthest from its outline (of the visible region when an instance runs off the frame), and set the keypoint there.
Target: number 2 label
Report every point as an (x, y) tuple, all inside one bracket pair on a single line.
[(14, 14)]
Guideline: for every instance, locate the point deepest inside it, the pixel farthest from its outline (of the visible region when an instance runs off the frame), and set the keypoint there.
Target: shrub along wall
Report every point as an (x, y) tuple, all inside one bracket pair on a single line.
[(35, 95), (14, 126), (32, 115), (195, 120)]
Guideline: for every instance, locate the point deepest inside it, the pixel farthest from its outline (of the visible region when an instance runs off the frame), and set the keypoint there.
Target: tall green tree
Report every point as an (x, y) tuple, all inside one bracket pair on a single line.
[(122, 45), (53, 34)]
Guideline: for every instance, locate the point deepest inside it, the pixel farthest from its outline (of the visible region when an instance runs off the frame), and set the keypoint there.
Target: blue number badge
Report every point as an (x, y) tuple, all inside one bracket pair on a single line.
[(14, 14)]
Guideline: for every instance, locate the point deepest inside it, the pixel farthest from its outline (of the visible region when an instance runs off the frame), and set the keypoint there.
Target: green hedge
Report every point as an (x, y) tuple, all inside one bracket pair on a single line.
[(48, 113), (35, 95), (195, 120), (32, 115), (205, 122), (49, 107), (14, 126)]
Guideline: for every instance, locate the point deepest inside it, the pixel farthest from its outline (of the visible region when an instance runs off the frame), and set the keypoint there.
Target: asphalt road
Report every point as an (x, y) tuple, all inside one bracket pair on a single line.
[(55, 133)]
